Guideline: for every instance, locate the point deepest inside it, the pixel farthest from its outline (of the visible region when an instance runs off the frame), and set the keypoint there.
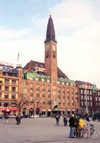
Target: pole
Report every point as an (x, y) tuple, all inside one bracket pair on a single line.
[(86, 99)]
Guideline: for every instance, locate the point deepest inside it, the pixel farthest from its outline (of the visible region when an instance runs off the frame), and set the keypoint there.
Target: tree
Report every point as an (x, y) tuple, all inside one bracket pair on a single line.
[(22, 102)]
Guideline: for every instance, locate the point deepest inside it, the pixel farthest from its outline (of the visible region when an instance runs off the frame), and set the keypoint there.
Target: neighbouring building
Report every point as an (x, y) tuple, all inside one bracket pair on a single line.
[(89, 100), (9, 86)]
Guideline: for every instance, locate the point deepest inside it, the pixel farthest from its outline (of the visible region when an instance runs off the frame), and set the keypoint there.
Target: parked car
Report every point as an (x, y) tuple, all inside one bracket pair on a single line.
[(96, 116), (36, 116), (1, 116)]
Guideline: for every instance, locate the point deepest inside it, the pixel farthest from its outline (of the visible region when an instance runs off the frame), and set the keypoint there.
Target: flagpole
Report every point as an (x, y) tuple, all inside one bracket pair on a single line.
[(86, 99)]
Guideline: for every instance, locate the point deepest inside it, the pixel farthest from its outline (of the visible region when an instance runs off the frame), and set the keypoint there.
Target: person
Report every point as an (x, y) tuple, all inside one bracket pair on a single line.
[(6, 117), (65, 120), (18, 119), (87, 118), (80, 128), (72, 125), (76, 125), (57, 119)]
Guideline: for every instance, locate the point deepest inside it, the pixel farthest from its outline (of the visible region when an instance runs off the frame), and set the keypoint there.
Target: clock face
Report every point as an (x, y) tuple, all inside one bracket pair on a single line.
[(47, 48), (53, 48)]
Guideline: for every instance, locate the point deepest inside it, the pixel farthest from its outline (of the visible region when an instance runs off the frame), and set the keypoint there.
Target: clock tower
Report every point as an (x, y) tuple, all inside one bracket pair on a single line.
[(51, 51)]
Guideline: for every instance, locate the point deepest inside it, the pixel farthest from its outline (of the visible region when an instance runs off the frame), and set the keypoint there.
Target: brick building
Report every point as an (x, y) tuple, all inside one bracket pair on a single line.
[(89, 100), (46, 86), (9, 86)]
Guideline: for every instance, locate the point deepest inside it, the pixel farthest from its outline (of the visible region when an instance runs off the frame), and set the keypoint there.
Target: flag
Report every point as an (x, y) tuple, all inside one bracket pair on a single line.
[(94, 87), (18, 57)]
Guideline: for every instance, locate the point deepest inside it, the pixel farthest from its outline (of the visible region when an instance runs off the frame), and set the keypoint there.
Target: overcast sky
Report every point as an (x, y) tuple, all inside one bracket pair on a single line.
[(23, 25)]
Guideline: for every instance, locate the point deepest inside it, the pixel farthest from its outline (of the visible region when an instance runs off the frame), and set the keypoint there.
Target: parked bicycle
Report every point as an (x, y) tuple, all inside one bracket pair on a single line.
[(89, 131)]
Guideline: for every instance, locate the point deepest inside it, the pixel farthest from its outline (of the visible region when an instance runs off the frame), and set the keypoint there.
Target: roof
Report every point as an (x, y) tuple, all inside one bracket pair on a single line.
[(30, 67), (50, 33), (83, 83)]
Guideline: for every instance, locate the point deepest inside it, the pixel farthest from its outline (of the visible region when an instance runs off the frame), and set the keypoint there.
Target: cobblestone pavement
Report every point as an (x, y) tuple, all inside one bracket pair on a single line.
[(40, 130)]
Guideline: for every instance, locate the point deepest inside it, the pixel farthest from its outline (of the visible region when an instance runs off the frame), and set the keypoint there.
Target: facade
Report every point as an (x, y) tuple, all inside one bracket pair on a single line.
[(89, 100), (9, 86), (46, 88)]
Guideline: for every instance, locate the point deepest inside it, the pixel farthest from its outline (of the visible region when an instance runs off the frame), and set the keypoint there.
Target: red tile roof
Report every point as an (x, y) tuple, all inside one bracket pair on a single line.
[(30, 67)]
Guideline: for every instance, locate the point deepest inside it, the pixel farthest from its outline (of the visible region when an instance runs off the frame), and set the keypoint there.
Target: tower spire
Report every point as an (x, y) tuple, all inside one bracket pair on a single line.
[(50, 33)]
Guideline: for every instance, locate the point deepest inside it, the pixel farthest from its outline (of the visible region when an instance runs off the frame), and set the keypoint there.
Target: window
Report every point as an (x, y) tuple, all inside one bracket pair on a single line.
[(25, 90), (6, 80), (0, 94), (13, 96), (31, 85), (54, 93), (13, 89), (6, 88), (6, 104), (13, 81), (6, 96), (54, 87)]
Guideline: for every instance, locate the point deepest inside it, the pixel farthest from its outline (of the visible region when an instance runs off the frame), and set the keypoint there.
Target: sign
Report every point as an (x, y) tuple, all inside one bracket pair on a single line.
[(8, 69), (40, 69), (94, 87)]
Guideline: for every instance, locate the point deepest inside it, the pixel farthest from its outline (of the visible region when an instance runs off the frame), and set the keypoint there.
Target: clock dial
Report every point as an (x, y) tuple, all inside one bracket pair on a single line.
[(47, 48), (53, 48)]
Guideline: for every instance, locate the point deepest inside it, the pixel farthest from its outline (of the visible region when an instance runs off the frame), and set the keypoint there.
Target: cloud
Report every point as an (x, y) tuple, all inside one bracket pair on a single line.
[(39, 23), (28, 49), (73, 14), (77, 28), (13, 34)]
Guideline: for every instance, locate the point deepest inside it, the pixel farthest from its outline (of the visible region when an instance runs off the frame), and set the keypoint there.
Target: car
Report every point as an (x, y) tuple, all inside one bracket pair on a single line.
[(96, 116), (36, 116), (1, 116)]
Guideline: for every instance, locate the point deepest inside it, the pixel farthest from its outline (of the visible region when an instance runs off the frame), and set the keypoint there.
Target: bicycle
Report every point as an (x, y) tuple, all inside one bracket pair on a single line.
[(89, 131)]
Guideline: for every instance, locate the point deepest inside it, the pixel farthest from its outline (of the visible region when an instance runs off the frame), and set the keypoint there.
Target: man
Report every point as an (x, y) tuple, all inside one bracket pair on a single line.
[(72, 125), (18, 119), (57, 119)]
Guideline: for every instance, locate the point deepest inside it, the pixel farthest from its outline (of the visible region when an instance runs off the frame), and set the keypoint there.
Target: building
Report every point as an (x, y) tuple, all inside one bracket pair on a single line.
[(89, 100), (46, 86), (9, 86)]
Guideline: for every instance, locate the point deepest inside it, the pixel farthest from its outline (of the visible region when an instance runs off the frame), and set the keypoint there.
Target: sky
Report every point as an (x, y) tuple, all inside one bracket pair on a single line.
[(23, 25)]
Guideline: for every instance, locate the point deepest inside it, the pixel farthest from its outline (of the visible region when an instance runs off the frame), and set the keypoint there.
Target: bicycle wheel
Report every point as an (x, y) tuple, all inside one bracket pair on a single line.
[(93, 135), (85, 133)]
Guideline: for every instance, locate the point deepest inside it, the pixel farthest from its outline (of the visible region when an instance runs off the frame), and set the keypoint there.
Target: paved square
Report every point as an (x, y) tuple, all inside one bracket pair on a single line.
[(39, 130)]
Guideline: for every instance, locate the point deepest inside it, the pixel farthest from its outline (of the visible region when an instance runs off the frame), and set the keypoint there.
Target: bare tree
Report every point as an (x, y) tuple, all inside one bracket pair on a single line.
[(22, 102)]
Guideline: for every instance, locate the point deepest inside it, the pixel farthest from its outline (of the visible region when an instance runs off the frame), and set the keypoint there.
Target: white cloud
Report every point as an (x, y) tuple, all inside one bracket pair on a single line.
[(72, 14), (28, 49), (13, 34), (77, 27)]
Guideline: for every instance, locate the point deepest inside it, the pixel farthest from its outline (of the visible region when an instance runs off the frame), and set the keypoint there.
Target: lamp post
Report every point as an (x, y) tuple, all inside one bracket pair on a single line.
[(86, 99), (93, 97)]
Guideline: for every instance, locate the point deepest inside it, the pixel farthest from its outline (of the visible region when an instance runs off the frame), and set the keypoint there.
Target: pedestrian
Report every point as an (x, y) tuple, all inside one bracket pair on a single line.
[(65, 120), (80, 128), (72, 125), (18, 119), (76, 125), (6, 117), (57, 119)]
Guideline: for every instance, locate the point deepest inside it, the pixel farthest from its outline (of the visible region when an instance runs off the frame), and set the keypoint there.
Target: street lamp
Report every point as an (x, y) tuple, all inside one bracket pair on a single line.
[(86, 99)]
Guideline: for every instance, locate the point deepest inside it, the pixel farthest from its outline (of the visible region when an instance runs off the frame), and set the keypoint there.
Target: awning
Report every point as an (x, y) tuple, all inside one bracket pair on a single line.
[(49, 110), (43, 110), (7, 109), (55, 109)]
